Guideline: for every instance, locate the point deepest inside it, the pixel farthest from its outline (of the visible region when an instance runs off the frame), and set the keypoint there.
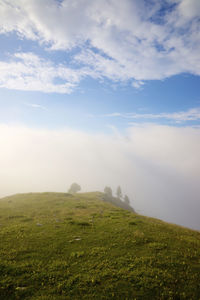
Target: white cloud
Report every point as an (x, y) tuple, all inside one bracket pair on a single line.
[(189, 9), (27, 71), (35, 105), (157, 166), (119, 40), (138, 84), (192, 114)]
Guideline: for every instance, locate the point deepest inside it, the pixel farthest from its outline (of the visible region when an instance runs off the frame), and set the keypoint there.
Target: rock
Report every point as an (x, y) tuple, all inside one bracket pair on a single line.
[(38, 224)]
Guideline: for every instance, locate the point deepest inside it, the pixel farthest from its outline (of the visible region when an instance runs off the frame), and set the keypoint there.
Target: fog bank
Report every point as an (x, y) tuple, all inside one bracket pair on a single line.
[(157, 166)]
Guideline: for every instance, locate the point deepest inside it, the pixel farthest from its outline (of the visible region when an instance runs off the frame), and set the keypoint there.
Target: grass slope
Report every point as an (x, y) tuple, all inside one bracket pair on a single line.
[(59, 246)]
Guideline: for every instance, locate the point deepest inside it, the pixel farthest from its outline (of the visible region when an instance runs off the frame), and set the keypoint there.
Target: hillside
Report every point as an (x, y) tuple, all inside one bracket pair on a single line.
[(62, 246)]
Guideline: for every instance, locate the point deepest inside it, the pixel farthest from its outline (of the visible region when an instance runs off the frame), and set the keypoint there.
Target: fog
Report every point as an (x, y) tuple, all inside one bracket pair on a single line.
[(158, 167)]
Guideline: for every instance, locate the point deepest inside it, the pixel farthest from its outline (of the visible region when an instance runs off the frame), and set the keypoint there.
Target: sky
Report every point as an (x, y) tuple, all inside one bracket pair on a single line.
[(103, 93)]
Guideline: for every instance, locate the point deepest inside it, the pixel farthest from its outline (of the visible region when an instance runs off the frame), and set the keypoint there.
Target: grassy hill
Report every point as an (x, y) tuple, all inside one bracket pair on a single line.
[(61, 246)]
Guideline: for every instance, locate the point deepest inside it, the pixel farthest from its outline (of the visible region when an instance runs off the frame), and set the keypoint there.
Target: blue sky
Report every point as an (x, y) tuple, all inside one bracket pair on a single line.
[(76, 65), (102, 74), (95, 105)]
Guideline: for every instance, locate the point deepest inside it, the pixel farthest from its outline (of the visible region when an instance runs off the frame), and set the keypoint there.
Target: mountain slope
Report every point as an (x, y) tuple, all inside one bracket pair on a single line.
[(62, 246)]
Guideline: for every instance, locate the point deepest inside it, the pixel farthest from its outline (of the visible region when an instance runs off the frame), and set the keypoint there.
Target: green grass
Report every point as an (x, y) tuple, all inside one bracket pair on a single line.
[(58, 246)]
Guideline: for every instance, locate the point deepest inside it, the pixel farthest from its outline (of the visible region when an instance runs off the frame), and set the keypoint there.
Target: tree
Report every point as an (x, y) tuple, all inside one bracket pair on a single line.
[(108, 191), (119, 192), (74, 188), (126, 200)]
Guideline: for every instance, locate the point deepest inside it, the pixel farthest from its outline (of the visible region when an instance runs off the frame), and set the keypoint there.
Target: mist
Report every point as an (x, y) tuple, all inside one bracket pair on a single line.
[(158, 167)]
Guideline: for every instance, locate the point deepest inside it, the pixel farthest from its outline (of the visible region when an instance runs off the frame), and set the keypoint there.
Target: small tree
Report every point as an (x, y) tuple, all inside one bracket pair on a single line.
[(74, 188), (108, 191), (119, 192), (126, 200)]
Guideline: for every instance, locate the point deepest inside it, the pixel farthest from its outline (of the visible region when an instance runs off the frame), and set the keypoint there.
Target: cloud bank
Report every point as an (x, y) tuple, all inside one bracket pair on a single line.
[(124, 41), (157, 166)]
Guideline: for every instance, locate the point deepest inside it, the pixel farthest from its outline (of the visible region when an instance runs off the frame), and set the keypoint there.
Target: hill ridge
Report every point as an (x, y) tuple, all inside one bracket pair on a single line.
[(63, 246)]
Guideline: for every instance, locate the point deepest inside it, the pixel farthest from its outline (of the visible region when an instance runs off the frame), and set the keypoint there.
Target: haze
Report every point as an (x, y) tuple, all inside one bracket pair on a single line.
[(157, 166)]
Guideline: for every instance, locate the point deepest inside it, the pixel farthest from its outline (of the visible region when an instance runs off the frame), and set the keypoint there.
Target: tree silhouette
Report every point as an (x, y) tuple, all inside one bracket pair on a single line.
[(74, 188), (108, 191), (126, 200), (119, 192)]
